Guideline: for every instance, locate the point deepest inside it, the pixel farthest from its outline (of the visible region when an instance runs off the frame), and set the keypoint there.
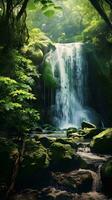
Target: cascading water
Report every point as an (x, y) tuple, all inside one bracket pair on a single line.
[(70, 69)]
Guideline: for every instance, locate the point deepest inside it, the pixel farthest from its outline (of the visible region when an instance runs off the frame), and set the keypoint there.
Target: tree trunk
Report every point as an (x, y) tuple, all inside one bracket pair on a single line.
[(22, 10), (100, 10)]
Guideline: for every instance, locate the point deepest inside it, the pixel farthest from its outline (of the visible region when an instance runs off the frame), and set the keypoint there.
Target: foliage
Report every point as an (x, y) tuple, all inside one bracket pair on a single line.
[(14, 31), (16, 100), (38, 45), (76, 21), (101, 6), (47, 76)]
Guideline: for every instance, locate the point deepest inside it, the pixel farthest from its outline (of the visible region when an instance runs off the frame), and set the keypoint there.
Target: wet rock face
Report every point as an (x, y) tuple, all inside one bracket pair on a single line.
[(106, 177)]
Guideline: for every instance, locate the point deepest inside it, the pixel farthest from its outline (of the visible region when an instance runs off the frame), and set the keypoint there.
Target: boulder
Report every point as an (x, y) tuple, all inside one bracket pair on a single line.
[(74, 135), (38, 130), (51, 193), (106, 177), (87, 125), (46, 142), (26, 195), (70, 141), (90, 196), (102, 143), (71, 130), (49, 128), (89, 133), (76, 181), (34, 167), (61, 155), (63, 158)]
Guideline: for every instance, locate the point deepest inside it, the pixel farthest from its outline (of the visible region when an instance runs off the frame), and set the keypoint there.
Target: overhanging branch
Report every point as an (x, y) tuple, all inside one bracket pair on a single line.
[(100, 10)]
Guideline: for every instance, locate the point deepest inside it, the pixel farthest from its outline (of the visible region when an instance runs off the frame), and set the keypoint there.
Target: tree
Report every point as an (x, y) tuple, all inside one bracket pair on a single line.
[(17, 111), (13, 21), (99, 5)]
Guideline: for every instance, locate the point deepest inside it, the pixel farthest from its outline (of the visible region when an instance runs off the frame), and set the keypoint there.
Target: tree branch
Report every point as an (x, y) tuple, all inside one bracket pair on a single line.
[(100, 10)]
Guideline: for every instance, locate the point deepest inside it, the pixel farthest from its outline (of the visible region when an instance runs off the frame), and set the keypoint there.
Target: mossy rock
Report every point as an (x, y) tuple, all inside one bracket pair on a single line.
[(35, 55), (38, 39), (70, 141), (36, 156), (89, 133), (63, 158), (59, 150), (48, 77), (71, 130), (102, 143), (46, 142), (77, 181), (29, 194), (35, 161), (106, 177), (50, 128), (60, 155)]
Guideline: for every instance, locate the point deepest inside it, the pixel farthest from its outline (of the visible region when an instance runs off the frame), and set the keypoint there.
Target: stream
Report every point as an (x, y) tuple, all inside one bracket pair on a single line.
[(94, 161)]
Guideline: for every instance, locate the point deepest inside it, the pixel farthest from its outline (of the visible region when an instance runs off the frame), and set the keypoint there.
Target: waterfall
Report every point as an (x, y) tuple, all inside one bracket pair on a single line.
[(70, 70)]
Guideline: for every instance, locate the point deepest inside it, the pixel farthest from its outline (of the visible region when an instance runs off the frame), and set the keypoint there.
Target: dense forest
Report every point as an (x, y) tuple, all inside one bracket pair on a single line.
[(55, 99)]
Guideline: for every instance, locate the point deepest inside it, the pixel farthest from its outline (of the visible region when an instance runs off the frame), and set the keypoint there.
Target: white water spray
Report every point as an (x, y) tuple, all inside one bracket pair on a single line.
[(70, 69)]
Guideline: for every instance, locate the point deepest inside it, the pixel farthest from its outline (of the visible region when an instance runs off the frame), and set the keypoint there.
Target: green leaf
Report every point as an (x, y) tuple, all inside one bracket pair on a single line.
[(22, 95), (8, 105), (49, 11), (7, 80)]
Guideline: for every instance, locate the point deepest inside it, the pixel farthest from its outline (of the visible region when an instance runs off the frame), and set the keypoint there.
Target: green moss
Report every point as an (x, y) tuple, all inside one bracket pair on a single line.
[(46, 142), (70, 141), (39, 39), (35, 154), (91, 132), (34, 161), (102, 143), (47, 75), (35, 55), (60, 151), (61, 156), (71, 130)]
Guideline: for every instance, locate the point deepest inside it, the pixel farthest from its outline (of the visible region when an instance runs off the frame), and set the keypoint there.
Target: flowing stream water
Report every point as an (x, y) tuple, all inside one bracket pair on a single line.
[(70, 70)]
